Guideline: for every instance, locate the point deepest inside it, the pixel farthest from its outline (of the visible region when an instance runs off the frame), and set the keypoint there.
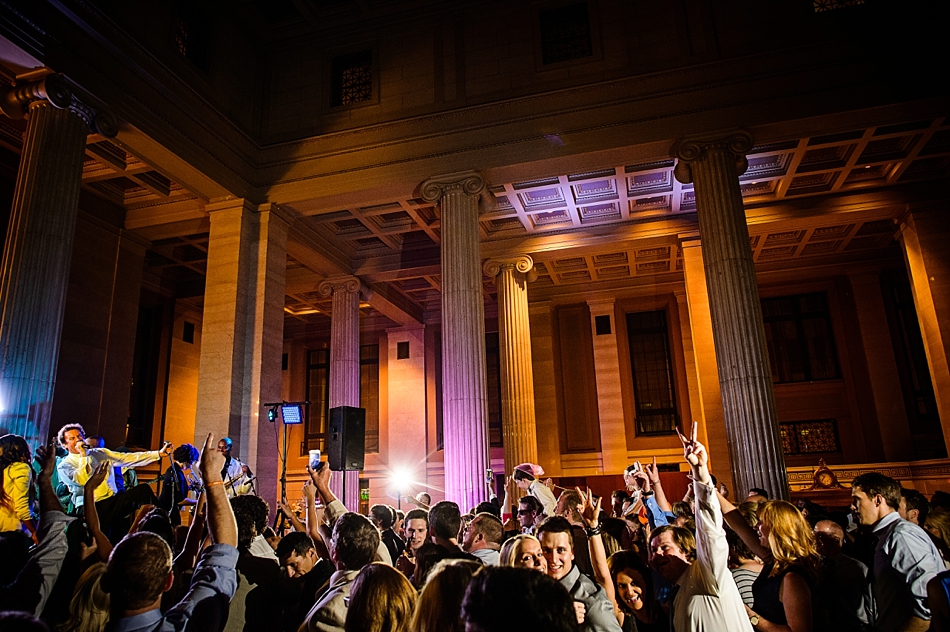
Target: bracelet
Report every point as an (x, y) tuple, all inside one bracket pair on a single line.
[(647, 494), (212, 483), (592, 531)]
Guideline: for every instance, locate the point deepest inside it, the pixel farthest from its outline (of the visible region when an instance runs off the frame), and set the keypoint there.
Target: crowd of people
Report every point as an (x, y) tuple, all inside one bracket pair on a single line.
[(104, 552)]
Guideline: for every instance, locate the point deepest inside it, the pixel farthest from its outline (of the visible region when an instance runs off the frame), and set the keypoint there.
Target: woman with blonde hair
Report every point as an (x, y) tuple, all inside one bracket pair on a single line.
[(937, 525), (784, 541), (89, 607), (440, 602), (525, 551), (381, 600)]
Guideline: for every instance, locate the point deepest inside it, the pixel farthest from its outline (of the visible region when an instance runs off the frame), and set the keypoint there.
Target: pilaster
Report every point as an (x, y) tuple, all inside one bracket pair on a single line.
[(609, 390)]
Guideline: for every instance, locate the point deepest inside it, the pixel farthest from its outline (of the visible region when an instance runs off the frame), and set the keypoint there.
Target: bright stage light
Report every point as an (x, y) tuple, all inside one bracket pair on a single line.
[(400, 478)]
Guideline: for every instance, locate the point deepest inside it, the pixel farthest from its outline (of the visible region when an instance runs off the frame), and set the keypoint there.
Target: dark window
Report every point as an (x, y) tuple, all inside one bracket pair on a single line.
[(493, 384), (914, 371), (801, 342), (402, 350), (818, 436), (602, 324), (652, 373), (283, 362), (191, 35), (188, 333), (369, 394), (352, 78), (318, 393), (565, 33)]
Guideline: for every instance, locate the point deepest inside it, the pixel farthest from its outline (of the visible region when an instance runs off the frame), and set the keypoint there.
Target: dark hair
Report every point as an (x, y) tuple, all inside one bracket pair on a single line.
[(533, 503), (156, 521), (556, 524), (940, 499), (251, 513), (381, 600), (490, 526), (383, 514), (61, 435), (874, 483), (355, 540), (759, 491), (630, 559), (620, 494), (185, 453), (418, 514), (521, 475), (445, 519), (138, 568), (683, 538), (440, 601), (15, 552), (13, 621), (13, 449), (98, 439), (506, 598), (295, 542), (913, 499), (400, 515), (489, 508)]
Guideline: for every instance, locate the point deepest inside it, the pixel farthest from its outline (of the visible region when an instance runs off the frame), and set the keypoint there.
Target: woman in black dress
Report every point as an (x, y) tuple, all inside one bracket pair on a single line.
[(633, 584), (175, 485)]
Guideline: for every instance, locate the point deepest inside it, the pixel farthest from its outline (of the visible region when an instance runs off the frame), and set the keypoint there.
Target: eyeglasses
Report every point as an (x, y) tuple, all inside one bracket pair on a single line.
[(524, 512)]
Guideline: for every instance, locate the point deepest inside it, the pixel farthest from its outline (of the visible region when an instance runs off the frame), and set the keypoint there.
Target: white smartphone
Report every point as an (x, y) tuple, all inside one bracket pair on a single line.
[(315, 460)]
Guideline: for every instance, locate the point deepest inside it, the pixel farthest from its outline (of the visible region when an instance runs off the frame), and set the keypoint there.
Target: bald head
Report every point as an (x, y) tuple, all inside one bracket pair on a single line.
[(829, 537)]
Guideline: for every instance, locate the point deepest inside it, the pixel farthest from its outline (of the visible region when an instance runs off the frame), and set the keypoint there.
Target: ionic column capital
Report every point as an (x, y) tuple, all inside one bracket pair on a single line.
[(518, 263), (345, 283), (467, 182), (690, 150), (16, 100)]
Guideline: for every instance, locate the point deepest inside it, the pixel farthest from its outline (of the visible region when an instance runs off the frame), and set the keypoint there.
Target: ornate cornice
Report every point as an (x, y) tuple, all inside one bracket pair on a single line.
[(690, 150), (519, 263), (346, 283), (16, 100), (467, 182)]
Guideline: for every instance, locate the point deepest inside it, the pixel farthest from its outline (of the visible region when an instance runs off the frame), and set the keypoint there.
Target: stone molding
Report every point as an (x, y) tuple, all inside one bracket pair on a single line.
[(689, 150), (16, 100), (437, 187), (518, 263)]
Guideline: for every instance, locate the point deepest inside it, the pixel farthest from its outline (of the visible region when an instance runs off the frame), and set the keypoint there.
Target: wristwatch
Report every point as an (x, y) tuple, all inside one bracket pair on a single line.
[(754, 620)]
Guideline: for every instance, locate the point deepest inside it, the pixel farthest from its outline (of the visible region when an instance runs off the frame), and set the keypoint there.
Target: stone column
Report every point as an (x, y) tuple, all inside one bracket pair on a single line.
[(613, 431), (713, 166), (710, 414), (38, 249), (923, 234), (345, 364), (464, 394), (511, 277), (242, 333)]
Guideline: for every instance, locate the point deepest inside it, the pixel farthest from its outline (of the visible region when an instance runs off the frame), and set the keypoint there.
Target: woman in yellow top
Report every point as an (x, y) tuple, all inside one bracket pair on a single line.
[(16, 485)]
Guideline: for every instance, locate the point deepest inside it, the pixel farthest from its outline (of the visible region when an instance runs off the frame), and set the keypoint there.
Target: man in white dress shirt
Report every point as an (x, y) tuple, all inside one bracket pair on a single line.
[(114, 507), (237, 476), (705, 596)]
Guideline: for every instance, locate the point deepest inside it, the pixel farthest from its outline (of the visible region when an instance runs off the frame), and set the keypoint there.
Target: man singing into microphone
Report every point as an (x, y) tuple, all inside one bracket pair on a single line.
[(236, 475), (114, 507)]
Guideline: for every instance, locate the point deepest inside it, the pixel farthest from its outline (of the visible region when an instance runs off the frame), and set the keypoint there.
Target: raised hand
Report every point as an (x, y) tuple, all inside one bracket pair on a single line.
[(653, 472), (642, 480), (695, 453), (167, 448), (98, 476), (46, 455), (211, 462), (589, 511), (309, 490)]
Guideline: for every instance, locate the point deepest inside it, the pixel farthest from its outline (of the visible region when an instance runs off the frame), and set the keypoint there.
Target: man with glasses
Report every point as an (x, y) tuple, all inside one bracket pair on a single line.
[(529, 514)]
